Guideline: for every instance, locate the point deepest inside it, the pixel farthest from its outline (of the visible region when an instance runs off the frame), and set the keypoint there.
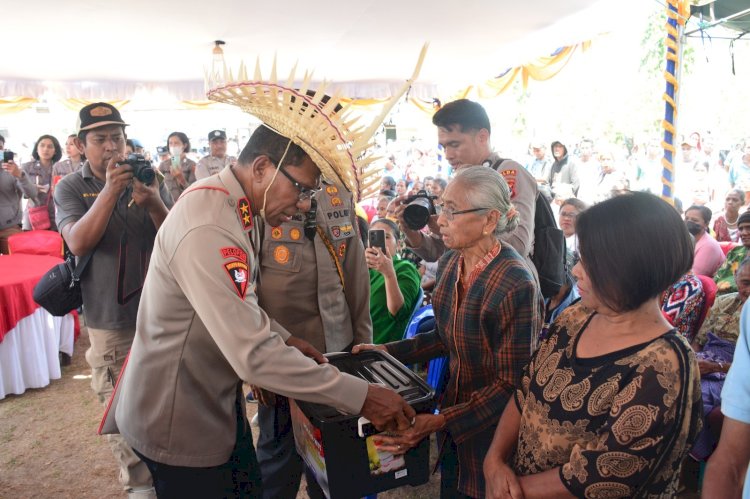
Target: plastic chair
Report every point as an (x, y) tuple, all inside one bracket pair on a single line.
[(727, 246), (36, 242), (420, 314)]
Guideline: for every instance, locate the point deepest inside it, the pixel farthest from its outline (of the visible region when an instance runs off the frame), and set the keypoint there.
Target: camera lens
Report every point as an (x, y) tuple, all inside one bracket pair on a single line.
[(417, 213)]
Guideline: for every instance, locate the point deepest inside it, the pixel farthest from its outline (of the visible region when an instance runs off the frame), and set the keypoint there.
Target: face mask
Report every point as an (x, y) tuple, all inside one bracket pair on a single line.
[(175, 150), (693, 228)]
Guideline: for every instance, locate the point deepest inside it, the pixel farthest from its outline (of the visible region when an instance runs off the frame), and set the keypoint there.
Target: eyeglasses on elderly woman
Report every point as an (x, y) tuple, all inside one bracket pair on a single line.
[(450, 213)]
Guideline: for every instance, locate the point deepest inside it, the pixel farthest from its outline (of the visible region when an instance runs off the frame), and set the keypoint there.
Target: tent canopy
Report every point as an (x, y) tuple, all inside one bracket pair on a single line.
[(731, 14), (90, 49)]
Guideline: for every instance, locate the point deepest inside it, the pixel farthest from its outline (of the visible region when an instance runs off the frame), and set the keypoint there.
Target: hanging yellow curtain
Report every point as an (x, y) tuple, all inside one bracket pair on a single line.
[(75, 104), (198, 104), (15, 104)]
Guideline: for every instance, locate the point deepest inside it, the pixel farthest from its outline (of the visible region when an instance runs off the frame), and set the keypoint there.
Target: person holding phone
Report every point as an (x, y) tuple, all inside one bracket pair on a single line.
[(178, 170), (394, 283), (14, 184)]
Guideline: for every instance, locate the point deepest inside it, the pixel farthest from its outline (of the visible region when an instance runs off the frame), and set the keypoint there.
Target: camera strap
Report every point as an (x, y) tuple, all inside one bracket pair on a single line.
[(122, 297)]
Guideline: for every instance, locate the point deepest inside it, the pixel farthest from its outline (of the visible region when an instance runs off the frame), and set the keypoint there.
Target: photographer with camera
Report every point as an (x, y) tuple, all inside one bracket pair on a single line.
[(111, 209), (14, 184), (464, 132)]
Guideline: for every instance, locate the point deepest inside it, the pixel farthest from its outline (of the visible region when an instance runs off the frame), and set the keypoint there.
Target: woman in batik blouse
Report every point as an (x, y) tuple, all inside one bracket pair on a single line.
[(488, 314), (610, 403)]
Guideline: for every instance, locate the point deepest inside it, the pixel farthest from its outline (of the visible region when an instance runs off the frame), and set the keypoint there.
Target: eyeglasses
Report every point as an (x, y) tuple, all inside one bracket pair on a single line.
[(569, 214), (449, 213), (305, 193)]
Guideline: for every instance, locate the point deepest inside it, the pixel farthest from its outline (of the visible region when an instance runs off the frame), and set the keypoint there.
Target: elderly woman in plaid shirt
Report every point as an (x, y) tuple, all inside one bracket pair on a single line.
[(488, 312)]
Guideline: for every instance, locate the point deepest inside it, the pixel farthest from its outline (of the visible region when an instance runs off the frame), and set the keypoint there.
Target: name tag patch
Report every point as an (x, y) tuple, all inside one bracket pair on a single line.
[(338, 214)]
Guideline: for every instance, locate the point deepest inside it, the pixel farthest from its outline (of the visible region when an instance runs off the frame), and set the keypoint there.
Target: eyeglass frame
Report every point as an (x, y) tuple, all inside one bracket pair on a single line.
[(450, 214), (305, 192)]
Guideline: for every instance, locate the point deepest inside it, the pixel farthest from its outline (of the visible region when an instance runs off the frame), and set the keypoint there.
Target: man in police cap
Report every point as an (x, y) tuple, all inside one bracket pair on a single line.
[(200, 330), (316, 262), (217, 159)]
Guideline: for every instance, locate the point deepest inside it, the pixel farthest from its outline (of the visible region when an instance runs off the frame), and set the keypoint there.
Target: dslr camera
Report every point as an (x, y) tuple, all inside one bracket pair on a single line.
[(142, 169), (418, 209), (8, 156)]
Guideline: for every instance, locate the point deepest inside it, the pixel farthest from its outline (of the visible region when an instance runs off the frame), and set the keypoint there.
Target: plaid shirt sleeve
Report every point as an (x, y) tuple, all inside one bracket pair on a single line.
[(420, 348), (520, 320)]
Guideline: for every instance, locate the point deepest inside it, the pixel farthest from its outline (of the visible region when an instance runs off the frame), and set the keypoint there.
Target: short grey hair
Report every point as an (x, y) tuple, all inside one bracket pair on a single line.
[(485, 188)]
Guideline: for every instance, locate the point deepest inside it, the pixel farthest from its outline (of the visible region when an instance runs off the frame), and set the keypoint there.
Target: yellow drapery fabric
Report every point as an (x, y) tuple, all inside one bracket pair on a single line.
[(15, 104)]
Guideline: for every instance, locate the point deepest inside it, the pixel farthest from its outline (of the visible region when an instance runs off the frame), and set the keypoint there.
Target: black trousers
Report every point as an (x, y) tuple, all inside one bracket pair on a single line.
[(239, 477)]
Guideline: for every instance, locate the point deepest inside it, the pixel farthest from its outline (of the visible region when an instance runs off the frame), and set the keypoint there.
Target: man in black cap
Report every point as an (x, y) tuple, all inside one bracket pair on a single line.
[(103, 211), (218, 159)]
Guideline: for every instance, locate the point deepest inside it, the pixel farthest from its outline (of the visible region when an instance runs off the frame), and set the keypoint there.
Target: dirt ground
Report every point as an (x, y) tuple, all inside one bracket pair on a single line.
[(49, 447)]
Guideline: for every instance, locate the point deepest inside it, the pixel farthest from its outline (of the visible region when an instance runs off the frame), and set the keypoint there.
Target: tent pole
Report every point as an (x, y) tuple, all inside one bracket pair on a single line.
[(675, 22)]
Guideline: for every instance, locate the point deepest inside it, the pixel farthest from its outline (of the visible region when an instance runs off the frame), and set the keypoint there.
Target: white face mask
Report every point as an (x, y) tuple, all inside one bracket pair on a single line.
[(175, 150)]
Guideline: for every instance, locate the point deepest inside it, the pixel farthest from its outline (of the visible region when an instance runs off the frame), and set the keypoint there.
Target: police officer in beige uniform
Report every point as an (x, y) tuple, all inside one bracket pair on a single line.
[(317, 263), (200, 330), (464, 132), (217, 159)]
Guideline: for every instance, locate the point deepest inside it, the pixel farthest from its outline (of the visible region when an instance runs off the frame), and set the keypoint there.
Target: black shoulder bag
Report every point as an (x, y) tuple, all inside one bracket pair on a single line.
[(59, 290)]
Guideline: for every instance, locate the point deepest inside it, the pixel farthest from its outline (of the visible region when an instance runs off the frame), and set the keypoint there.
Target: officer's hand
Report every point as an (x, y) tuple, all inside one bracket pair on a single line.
[(386, 409), (118, 176), (146, 196), (307, 349), (368, 346)]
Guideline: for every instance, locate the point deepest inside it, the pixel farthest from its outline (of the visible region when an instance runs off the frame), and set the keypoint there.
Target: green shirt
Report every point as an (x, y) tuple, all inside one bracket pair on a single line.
[(724, 277), (387, 327)]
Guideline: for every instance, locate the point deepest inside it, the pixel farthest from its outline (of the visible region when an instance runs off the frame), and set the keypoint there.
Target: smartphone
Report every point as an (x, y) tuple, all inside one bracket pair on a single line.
[(377, 239)]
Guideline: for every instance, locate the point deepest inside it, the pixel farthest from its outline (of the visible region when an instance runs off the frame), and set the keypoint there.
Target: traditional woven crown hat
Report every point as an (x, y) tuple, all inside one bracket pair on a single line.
[(334, 139)]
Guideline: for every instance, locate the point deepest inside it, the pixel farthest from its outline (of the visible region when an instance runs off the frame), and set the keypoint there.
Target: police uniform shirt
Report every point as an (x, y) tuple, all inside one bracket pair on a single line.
[(325, 307), (211, 165), (200, 331)]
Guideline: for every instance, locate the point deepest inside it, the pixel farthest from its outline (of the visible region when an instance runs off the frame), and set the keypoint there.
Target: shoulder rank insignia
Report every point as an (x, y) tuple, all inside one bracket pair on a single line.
[(246, 215)]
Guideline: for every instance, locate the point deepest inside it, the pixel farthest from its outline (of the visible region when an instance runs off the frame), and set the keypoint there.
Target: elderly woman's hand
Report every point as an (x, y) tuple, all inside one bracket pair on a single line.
[(399, 442), (377, 260), (500, 481)]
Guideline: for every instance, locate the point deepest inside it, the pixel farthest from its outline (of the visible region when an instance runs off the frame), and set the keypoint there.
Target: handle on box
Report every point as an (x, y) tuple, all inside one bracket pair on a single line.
[(361, 422)]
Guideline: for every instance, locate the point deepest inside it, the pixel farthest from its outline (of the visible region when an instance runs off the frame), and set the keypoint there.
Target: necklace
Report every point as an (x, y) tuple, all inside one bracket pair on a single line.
[(735, 219)]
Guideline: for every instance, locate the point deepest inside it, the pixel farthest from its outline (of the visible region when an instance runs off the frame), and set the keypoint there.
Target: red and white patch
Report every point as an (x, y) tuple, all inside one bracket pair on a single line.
[(234, 252), (239, 274), (510, 179)]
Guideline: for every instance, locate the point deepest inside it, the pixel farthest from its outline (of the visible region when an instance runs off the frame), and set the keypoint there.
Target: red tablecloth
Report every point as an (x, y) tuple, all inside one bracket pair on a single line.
[(18, 275)]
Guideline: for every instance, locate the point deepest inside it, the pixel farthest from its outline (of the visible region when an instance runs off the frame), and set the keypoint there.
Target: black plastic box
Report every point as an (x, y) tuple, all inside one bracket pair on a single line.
[(338, 448)]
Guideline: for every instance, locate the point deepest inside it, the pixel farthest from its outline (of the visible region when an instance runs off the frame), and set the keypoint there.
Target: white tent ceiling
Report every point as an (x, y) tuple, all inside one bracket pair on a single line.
[(369, 45)]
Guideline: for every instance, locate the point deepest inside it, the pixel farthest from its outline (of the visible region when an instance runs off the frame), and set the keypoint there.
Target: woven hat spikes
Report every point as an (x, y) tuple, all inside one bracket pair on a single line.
[(335, 140)]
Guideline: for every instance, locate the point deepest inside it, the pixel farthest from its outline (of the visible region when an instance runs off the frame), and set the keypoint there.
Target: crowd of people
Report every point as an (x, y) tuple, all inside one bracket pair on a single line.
[(635, 364)]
